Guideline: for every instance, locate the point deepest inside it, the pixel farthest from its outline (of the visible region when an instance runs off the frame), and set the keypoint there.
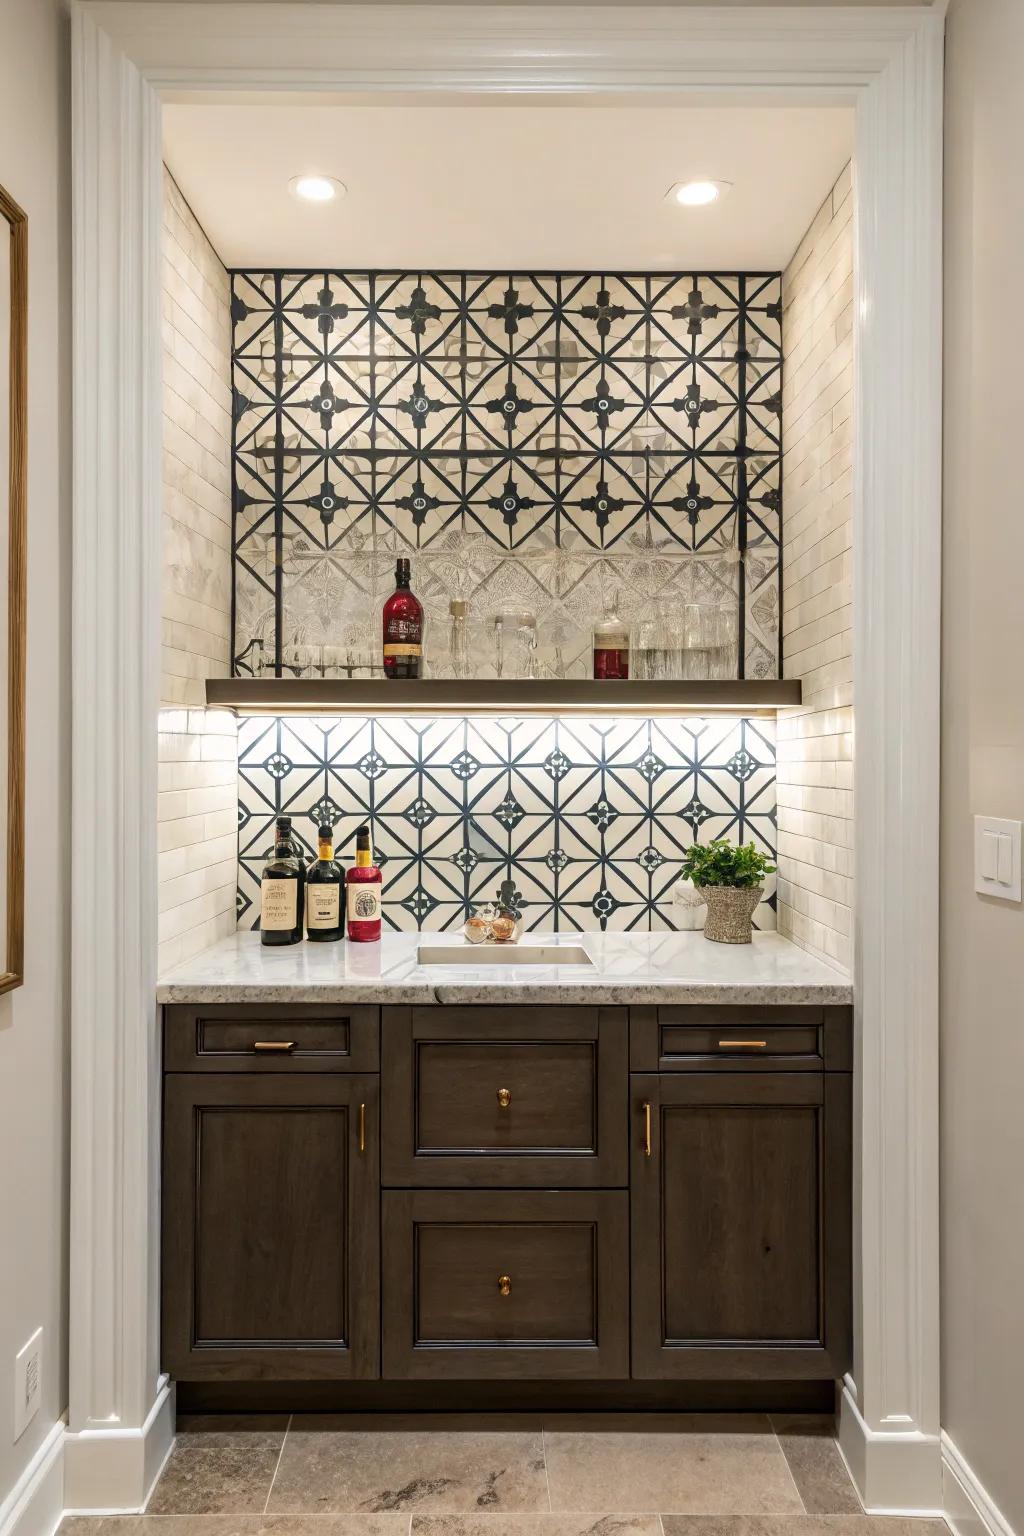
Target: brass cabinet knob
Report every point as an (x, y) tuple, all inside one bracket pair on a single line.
[(504, 1285), (504, 1098)]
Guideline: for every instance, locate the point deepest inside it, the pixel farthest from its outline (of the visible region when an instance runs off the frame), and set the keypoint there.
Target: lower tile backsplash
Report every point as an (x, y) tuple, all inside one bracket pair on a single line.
[(590, 818)]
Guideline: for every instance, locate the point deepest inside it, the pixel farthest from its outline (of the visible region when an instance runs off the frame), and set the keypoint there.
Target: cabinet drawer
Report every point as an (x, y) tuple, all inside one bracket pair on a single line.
[(513, 1096), (524, 1285), (724, 1038), (310, 1037)]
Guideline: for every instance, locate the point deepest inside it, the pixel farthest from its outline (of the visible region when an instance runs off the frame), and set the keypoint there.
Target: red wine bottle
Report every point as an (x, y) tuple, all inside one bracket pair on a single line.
[(403, 628)]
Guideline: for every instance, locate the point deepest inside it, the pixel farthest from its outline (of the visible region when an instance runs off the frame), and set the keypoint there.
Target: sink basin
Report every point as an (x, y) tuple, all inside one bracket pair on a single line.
[(502, 954)]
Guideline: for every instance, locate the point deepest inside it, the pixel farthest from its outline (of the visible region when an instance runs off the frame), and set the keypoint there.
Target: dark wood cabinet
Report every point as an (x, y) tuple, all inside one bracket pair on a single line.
[(627, 1199), (271, 1227), (505, 1096), (725, 1037), (741, 1225), (264, 1037), (524, 1285)]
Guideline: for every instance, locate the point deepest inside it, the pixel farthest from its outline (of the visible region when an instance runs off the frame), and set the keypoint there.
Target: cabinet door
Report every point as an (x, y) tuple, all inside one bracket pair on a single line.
[(741, 1224), (271, 1253)]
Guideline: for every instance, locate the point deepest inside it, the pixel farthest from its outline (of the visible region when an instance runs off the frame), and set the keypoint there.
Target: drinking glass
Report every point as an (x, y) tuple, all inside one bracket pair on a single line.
[(334, 661), (301, 659), (515, 643)]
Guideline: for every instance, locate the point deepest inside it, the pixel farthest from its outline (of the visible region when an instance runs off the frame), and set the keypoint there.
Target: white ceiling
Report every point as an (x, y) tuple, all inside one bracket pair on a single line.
[(530, 186)]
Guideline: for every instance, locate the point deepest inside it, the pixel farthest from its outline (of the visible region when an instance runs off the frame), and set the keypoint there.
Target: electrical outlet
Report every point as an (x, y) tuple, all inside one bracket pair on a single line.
[(28, 1368)]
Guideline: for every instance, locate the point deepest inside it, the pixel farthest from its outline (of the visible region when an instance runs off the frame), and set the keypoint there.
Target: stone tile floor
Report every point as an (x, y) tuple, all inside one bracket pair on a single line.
[(600, 1475)]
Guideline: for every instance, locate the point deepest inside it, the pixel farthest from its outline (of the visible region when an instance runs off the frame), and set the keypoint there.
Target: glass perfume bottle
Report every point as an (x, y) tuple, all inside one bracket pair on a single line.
[(611, 645)]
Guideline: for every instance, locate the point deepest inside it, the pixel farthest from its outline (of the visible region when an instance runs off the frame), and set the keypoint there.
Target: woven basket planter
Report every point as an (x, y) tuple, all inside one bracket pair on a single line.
[(730, 912)]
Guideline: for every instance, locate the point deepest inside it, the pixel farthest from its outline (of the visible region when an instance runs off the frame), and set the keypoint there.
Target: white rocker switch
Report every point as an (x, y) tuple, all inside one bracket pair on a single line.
[(997, 858)]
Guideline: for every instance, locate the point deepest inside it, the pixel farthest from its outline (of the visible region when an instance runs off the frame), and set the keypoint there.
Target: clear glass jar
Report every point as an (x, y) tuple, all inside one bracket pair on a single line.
[(515, 643), (611, 646), (458, 637)]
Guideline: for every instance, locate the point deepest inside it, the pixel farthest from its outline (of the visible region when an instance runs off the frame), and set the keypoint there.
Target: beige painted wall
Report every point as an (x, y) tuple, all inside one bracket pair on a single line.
[(814, 744), (33, 1020), (982, 975), (198, 748)]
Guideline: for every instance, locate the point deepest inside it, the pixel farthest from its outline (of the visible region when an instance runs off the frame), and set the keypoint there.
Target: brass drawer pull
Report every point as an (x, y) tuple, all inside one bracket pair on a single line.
[(647, 1128), (504, 1285), (746, 1045), (273, 1045), (362, 1127), (504, 1098)]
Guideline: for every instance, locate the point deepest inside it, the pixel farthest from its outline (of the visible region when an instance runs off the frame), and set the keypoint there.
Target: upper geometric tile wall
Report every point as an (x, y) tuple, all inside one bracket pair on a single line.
[(542, 441)]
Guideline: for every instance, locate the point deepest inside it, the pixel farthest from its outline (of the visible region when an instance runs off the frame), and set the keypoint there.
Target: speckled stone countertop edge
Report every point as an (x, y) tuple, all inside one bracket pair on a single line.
[(628, 969)]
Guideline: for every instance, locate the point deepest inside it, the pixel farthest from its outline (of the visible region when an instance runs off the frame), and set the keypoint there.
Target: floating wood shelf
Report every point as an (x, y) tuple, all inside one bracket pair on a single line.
[(445, 696)]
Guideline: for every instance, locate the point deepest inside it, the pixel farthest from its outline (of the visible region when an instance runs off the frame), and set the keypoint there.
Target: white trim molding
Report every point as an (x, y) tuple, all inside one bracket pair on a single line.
[(113, 1471), (35, 1504), (967, 1506), (115, 1106), (894, 1410), (887, 63)]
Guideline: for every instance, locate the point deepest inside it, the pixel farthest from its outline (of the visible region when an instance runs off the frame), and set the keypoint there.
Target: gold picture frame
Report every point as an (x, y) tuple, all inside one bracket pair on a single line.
[(13, 555)]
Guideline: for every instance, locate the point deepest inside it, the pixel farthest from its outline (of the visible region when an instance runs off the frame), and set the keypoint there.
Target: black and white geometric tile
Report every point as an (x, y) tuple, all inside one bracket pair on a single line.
[(589, 818), (540, 441)]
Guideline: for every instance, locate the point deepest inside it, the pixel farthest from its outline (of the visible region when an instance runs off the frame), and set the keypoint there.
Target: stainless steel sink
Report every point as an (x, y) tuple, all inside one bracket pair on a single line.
[(502, 954)]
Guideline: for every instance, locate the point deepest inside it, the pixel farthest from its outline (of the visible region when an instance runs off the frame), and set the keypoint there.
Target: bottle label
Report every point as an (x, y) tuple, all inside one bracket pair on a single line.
[(364, 903), (279, 905), (323, 905), (399, 628), (403, 650)]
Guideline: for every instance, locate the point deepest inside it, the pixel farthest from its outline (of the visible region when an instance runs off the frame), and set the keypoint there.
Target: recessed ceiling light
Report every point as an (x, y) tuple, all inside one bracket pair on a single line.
[(697, 194), (316, 189)]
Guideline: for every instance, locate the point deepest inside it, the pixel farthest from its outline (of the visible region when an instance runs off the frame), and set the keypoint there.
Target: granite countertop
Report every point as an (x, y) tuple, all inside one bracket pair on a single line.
[(628, 968)]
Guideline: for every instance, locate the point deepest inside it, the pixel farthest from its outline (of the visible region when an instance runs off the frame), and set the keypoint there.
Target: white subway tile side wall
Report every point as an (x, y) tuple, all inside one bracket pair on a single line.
[(814, 743), (198, 748)]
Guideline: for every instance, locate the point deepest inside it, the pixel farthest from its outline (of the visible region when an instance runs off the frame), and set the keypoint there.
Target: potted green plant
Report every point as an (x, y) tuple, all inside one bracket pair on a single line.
[(729, 877)]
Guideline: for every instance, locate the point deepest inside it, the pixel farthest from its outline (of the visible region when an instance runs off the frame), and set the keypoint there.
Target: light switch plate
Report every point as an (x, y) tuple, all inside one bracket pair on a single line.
[(997, 857)]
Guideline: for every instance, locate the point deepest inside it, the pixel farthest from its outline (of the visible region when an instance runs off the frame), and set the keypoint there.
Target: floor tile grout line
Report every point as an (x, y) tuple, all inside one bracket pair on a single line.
[(785, 1460), (544, 1459), (277, 1466)]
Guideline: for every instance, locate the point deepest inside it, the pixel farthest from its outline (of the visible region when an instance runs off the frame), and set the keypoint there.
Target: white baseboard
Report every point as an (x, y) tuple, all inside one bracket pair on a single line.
[(896, 1472), (968, 1507), (35, 1504), (113, 1471)]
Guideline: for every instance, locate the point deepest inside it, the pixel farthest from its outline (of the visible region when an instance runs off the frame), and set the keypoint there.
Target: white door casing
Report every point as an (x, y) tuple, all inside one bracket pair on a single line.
[(887, 62)]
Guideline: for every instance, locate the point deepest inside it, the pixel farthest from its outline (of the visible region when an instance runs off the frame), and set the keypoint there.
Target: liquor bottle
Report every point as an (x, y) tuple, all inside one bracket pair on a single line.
[(363, 885), (325, 911), (403, 628), (611, 646), (282, 889)]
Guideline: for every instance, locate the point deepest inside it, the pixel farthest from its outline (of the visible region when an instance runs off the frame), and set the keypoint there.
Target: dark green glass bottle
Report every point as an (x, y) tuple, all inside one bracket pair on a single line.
[(325, 910), (282, 889)]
